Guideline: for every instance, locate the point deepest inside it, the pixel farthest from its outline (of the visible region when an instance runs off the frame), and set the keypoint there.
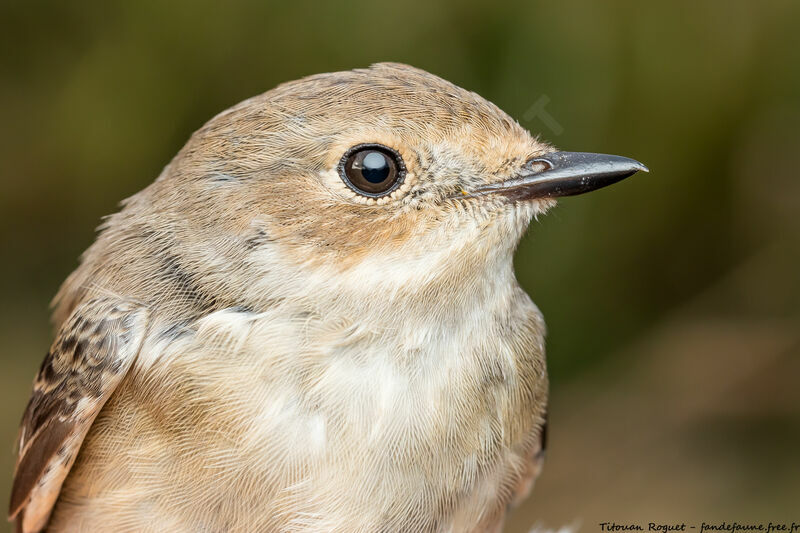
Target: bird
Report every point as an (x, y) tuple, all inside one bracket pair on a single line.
[(309, 321)]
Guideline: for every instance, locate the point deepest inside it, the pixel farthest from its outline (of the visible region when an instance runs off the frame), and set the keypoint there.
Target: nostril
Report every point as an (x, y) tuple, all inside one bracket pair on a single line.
[(537, 165)]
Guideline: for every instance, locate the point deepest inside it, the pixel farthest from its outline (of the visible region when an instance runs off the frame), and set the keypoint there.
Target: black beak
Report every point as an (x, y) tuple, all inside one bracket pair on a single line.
[(565, 174)]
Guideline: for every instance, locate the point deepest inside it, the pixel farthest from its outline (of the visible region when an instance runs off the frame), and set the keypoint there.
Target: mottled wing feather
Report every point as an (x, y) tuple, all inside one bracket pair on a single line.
[(91, 354)]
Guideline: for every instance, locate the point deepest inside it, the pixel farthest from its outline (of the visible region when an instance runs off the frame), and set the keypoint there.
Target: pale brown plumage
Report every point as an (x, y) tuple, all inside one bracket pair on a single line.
[(268, 351)]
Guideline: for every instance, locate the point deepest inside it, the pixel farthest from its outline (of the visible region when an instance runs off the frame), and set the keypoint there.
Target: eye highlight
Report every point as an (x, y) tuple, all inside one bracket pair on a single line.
[(372, 170)]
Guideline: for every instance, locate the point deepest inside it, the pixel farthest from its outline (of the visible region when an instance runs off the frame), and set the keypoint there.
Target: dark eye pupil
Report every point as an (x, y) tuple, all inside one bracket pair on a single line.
[(374, 167)]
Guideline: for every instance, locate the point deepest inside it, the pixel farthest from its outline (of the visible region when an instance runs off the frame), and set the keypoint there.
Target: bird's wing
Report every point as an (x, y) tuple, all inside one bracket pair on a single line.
[(522, 488), (91, 355), (533, 466)]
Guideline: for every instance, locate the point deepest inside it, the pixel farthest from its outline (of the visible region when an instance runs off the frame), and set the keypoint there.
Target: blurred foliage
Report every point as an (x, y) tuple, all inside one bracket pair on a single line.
[(97, 96)]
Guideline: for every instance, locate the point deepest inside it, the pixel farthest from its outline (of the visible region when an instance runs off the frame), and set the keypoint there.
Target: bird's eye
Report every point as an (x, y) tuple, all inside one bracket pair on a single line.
[(372, 170)]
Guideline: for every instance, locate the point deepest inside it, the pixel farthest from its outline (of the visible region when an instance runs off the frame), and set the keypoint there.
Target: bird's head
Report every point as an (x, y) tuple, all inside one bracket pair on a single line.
[(383, 179)]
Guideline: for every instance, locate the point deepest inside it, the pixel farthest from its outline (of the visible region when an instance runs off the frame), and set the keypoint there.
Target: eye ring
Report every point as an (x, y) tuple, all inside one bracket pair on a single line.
[(372, 170)]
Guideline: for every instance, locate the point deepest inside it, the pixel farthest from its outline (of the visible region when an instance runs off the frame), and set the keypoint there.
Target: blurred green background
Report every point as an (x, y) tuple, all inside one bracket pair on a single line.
[(671, 298)]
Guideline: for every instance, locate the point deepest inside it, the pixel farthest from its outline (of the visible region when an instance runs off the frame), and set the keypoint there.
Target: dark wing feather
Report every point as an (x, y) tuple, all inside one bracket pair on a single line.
[(91, 355)]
